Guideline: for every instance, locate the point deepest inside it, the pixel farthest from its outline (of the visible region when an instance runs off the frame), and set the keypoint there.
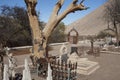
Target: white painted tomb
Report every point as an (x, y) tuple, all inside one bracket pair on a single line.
[(49, 77), (85, 66), (5, 74), (26, 72)]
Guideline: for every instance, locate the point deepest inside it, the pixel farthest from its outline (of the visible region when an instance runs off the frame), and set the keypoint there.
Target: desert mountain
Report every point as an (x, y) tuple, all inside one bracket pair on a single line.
[(91, 24)]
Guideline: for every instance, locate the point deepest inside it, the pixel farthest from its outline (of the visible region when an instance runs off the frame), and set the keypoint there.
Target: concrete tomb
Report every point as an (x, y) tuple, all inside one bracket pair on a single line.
[(85, 66)]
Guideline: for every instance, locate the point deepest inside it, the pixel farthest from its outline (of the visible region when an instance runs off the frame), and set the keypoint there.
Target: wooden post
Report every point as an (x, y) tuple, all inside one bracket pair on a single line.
[(62, 70), (76, 70)]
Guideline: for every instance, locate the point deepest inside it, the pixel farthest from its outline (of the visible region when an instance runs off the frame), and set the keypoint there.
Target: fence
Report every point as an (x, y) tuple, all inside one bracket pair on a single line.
[(64, 71)]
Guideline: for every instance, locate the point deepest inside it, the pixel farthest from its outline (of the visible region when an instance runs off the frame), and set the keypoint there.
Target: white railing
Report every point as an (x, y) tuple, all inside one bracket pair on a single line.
[(23, 47)]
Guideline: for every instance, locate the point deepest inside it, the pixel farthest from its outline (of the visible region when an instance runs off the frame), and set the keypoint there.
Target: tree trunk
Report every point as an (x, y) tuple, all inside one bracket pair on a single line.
[(39, 43), (116, 33)]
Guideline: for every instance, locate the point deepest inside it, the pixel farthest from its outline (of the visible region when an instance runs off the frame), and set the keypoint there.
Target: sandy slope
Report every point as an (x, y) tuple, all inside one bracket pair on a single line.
[(91, 24)]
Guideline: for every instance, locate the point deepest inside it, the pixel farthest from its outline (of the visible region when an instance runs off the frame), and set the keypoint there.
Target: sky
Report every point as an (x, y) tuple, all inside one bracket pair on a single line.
[(45, 8)]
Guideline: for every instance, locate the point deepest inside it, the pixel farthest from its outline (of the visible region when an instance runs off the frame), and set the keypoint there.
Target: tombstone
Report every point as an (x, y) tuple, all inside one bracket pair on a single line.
[(105, 47), (73, 39), (63, 53), (108, 40), (63, 49)]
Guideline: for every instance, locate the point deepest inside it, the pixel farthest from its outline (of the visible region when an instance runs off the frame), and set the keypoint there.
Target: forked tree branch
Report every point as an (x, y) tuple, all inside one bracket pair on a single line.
[(59, 4), (56, 10), (56, 18), (72, 8)]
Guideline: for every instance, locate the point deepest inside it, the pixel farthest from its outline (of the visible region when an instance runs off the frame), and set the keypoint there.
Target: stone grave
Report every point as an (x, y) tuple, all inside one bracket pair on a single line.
[(85, 66)]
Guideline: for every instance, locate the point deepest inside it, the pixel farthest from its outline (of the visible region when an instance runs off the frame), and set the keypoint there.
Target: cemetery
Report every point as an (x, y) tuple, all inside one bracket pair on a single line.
[(69, 56), (66, 64)]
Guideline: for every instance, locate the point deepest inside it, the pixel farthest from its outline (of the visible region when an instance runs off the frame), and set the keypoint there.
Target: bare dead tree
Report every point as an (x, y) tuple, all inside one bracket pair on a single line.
[(40, 37), (112, 16)]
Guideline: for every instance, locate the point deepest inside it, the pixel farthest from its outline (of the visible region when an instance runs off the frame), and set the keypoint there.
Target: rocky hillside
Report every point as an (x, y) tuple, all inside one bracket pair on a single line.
[(91, 24)]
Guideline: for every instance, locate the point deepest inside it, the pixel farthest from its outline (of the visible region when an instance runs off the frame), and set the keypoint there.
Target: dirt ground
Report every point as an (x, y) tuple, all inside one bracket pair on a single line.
[(20, 51), (109, 67)]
